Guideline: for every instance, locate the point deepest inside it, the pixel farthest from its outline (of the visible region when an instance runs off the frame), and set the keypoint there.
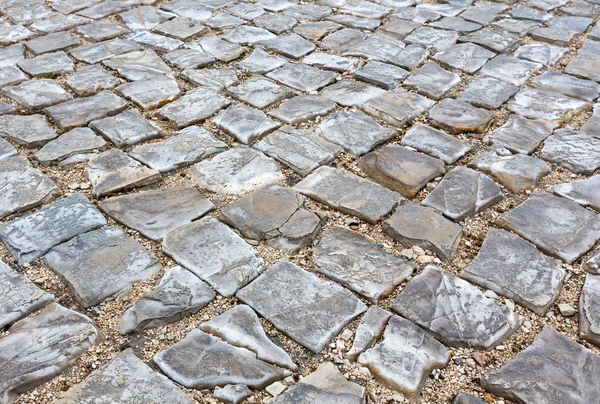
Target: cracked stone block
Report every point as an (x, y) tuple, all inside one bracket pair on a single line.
[(545, 54), (581, 8), (432, 38), (519, 135), (316, 30), (190, 9), (557, 226), (382, 74), (454, 311), (377, 47), (592, 126), (498, 42), (483, 13), (6, 108), (308, 309), (75, 141), (220, 49), (302, 77), (214, 253), (586, 90), (589, 310), (26, 130), (6, 149), (324, 385), (102, 30), (514, 268), (467, 57), (138, 65), (11, 75), (59, 41), (244, 123), (365, 9), (100, 51), (349, 93), (553, 369), (541, 104), (202, 361), (58, 22), (584, 192), (91, 80), (113, 171), (349, 193), (572, 150), (342, 40), (180, 28), (70, 6), (487, 92), (57, 332), (517, 173), (32, 236), (11, 55), (240, 327), (189, 58), (301, 150), (359, 264), (510, 69), (398, 28), (47, 65), (126, 128), (21, 297), (410, 57), (397, 107), (432, 81), (35, 95), (560, 37), (100, 264), (10, 34), (303, 108), (277, 24), (247, 35), (400, 169), (292, 46), (28, 14), (144, 17), (211, 79), (158, 212), (518, 28), (236, 171), (104, 9), (232, 393), (435, 143), (463, 193), (260, 62), (23, 187), (81, 111), (178, 294), (332, 62), (125, 378), (456, 116), (456, 24), (151, 93), (186, 147), (528, 13), (311, 12), (369, 330), (415, 225), (405, 357), (193, 107)]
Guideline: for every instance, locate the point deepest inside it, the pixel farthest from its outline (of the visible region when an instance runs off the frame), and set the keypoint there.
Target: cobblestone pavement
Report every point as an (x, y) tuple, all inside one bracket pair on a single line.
[(287, 201)]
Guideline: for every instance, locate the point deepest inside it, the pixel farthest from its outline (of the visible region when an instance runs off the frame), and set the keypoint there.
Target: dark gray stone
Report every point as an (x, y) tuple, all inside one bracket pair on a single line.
[(378, 47), (410, 57), (589, 309), (27, 130), (467, 57), (397, 107), (584, 192), (382, 74), (59, 41), (487, 92), (126, 128), (498, 42), (369, 330), (432, 81), (456, 116), (101, 30), (586, 90), (435, 143), (519, 135), (572, 150)]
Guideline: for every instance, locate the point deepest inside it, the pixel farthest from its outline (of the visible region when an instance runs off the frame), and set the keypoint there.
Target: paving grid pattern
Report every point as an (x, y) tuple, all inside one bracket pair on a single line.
[(434, 121)]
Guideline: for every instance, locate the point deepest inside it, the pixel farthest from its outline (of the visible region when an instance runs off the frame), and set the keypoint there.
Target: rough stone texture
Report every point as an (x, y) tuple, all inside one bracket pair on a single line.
[(541, 104), (435, 143), (302, 77), (303, 108), (585, 192), (57, 332), (213, 252), (259, 92), (232, 393), (467, 57), (126, 128), (519, 135), (29, 131), (397, 107), (553, 369), (75, 141), (211, 79), (457, 116), (32, 236), (586, 90), (138, 65), (369, 330), (350, 93), (432, 81), (244, 123), (572, 150), (82, 111), (193, 107), (557, 226), (308, 309), (510, 69), (6, 150), (151, 93), (463, 398), (584, 66), (178, 294), (35, 95), (100, 51), (589, 310), (487, 92), (49, 64), (382, 74), (405, 357), (90, 80)]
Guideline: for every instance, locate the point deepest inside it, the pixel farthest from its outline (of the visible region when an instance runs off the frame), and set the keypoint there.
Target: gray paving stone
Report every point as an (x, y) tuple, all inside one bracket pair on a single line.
[(463, 398), (410, 57), (528, 13), (447, 10), (190, 9), (180, 28), (6, 149), (589, 309), (302, 77), (260, 62), (349, 193), (303, 108), (332, 62), (193, 107), (75, 141), (514, 268), (534, 374), (59, 41), (144, 17), (308, 309), (11, 34), (277, 24), (202, 361), (467, 57), (189, 58), (519, 135), (34, 95), (350, 93), (61, 334), (240, 326), (572, 150), (342, 40), (592, 126), (81, 111), (28, 14), (397, 107), (151, 93), (584, 66), (26, 130), (519, 28), (244, 123), (355, 22), (510, 69), (316, 30), (311, 12), (432, 38), (541, 104), (581, 8), (560, 37), (432, 81), (382, 74), (101, 30), (405, 357), (138, 65), (435, 143), (236, 171), (70, 6), (365, 9), (301, 150), (378, 47), (232, 393), (32, 236), (590, 48), (247, 35), (517, 173), (126, 128), (214, 253), (557, 226), (259, 92), (487, 92), (10, 55), (11, 75), (419, 15), (104, 9), (369, 330), (456, 24), (584, 192), (457, 116), (454, 311), (498, 42), (545, 54), (100, 51), (212, 79), (123, 378), (6, 108), (483, 12), (292, 46), (398, 28), (91, 80), (220, 49)]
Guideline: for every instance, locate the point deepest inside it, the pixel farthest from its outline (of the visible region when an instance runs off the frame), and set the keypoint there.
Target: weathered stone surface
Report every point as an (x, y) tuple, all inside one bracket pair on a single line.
[(144, 17), (410, 57), (20, 296), (81, 111), (369, 330), (589, 309), (220, 49), (552, 369), (545, 54), (104, 9), (495, 41), (519, 135), (432, 81), (398, 28), (6, 149), (232, 393), (11, 75), (57, 332), (378, 47), (126, 128), (32, 236), (236, 171), (431, 38), (517, 173), (435, 143), (34, 95), (59, 41), (192, 9), (180, 28), (573, 150), (487, 92), (193, 107), (514, 268), (202, 361), (302, 77), (276, 23), (415, 225), (350, 93), (292, 46), (541, 104), (382, 74), (213, 252), (138, 65), (260, 62), (101, 30), (557, 226), (311, 12), (151, 93), (454, 311), (324, 385), (405, 357), (586, 90), (189, 58), (463, 398), (29, 131), (306, 308), (241, 327), (11, 34), (585, 192), (58, 22), (397, 107), (154, 41), (23, 187), (90, 80), (510, 69), (101, 264), (303, 108), (467, 57), (158, 212), (457, 116), (340, 41), (244, 123), (592, 126), (97, 52), (259, 92), (247, 35), (211, 79), (75, 141)]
